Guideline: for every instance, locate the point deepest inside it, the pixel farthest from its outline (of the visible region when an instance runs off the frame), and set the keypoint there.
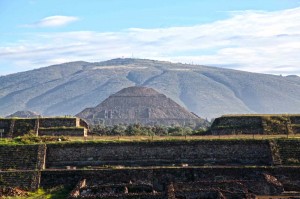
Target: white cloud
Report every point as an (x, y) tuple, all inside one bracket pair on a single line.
[(256, 41), (53, 21)]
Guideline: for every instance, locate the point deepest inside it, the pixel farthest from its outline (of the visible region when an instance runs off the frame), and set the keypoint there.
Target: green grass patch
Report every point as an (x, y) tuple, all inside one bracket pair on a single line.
[(60, 192), (32, 139)]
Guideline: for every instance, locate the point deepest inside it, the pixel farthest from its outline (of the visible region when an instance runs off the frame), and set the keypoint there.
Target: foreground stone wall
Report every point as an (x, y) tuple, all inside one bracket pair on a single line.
[(27, 180), (217, 152), (244, 155), (289, 151), (22, 157), (160, 178)]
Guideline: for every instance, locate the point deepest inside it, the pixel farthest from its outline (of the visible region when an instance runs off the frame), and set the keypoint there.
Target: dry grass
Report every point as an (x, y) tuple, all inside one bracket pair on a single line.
[(259, 115)]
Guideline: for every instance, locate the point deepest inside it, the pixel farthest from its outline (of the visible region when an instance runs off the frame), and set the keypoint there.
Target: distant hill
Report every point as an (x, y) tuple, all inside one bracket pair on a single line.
[(67, 89), (142, 105)]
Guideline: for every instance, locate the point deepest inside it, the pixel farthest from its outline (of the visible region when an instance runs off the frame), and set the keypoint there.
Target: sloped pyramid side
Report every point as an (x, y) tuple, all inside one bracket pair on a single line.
[(24, 114), (138, 105)]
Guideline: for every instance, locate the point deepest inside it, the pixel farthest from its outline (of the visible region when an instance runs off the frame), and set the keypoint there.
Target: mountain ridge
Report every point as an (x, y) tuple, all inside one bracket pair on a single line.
[(68, 88)]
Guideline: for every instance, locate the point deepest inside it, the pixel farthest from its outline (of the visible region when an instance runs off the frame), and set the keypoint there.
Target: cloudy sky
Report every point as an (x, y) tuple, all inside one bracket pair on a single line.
[(251, 35)]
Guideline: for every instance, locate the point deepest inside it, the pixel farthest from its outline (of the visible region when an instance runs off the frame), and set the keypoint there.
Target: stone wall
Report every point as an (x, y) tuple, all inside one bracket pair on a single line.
[(27, 180), (23, 126), (160, 178), (58, 122), (17, 127), (244, 155), (22, 157), (289, 151), (217, 152), (256, 124), (295, 119), (5, 125), (296, 129), (14, 127), (114, 191), (63, 131), (237, 125)]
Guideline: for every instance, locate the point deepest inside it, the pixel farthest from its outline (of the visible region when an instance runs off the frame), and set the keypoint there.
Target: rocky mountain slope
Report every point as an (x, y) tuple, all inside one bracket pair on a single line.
[(208, 91)]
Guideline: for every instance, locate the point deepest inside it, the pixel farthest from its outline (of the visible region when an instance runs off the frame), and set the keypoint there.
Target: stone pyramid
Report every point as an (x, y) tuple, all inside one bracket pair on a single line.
[(139, 105), (24, 114)]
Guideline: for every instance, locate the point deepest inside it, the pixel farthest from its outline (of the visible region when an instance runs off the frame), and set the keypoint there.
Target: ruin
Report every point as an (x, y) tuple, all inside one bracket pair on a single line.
[(139, 105), (158, 169), (256, 124), (68, 126), (166, 169)]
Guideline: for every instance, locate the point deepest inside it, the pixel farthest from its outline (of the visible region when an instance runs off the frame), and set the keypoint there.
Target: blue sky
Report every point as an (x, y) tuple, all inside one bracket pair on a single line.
[(251, 35)]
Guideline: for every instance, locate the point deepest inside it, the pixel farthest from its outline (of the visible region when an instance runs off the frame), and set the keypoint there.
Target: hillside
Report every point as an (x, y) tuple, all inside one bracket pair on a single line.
[(67, 89)]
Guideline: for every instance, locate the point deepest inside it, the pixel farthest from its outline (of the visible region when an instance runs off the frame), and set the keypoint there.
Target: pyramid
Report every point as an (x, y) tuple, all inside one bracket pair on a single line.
[(24, 114), (139, 105)]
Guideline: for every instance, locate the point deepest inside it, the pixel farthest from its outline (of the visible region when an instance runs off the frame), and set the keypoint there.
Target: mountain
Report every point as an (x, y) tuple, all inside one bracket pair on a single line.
[(67, 89), (142, 105)]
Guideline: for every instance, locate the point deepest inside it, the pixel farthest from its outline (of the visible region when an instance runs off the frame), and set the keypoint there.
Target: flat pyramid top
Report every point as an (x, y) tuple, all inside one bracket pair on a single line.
[(137, 91)]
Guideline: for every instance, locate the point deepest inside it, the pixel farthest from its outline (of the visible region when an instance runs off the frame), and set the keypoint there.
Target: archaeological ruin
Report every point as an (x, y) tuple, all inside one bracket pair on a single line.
[(234, 168), (149, 169), (68, 126), (139, 105), (256, 124)]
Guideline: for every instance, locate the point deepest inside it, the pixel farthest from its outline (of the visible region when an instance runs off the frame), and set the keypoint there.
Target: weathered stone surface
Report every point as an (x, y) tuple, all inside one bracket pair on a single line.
[(289, 151), (256, 124), (247, 152), (63, 131), (22, 157), (224, 165), (14, 127), (232, 179), (27, 180)]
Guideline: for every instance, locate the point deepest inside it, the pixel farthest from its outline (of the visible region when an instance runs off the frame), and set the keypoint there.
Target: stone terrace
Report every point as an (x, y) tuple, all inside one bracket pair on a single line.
[(158, 169)]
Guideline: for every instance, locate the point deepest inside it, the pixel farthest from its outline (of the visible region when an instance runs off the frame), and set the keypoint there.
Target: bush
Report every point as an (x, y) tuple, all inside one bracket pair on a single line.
[(141, 130)]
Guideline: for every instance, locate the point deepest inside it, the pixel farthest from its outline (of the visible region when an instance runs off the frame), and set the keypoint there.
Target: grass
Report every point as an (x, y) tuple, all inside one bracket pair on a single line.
[(41, 139), (163, 138), (259, 115), (59, 192), (31, 139)]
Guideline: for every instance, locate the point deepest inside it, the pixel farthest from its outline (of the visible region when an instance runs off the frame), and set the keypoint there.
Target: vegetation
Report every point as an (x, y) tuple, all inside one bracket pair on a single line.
[(140, 130), (60, 192), (32, 139)]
